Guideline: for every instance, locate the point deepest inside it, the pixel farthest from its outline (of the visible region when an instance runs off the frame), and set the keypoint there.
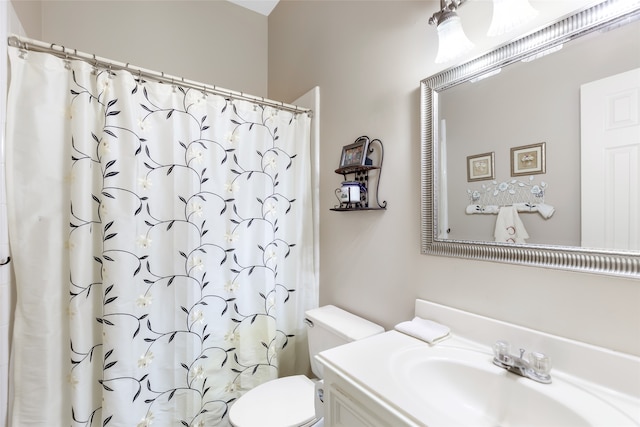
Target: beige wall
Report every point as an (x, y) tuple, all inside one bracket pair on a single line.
[(214, 42), (26, 18), (368, 58)]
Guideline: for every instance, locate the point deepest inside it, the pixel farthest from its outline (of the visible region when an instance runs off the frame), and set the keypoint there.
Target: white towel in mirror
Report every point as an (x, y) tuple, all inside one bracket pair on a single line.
[(476, 209), (509, 227), (545, 211)]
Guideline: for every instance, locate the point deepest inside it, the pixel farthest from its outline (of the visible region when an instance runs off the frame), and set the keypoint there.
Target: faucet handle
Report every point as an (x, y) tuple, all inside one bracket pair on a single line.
[(540, 365), (502, 352)]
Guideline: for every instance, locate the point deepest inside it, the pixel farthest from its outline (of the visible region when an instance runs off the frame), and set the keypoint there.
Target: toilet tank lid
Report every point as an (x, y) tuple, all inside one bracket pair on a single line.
[(348, 325)]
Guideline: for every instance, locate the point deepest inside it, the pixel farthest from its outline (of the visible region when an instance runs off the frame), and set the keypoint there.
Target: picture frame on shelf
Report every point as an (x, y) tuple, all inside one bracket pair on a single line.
[(481, 167), (355, 154), (528, 159)]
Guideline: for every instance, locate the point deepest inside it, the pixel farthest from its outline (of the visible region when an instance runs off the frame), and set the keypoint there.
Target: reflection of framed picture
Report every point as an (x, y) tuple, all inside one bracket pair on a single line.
[(480, 167), (355, 154), (528, 160)]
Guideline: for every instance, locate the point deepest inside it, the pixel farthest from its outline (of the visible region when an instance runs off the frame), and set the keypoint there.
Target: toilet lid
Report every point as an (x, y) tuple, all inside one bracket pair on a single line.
[(285, 402)]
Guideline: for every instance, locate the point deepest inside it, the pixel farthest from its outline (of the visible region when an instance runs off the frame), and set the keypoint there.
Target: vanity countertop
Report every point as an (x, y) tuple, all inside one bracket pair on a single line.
[(384, 365), (369, 362)]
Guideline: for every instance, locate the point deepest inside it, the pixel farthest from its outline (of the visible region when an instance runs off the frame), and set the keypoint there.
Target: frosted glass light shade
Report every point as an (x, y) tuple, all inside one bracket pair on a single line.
[(452, 41), (509, 15)]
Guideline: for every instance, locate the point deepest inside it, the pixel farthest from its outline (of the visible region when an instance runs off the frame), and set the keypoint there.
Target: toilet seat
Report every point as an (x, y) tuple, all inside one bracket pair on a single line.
[(284, 402)]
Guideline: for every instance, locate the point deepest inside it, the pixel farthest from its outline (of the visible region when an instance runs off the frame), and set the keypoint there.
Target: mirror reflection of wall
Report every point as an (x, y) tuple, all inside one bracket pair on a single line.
[(527, 103)]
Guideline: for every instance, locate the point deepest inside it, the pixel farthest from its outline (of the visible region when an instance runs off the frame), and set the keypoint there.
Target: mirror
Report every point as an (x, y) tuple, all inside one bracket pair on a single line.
[(504, 130)]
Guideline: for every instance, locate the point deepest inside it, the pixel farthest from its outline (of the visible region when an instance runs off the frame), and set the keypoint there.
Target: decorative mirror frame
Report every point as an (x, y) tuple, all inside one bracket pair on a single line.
[(626, 264)]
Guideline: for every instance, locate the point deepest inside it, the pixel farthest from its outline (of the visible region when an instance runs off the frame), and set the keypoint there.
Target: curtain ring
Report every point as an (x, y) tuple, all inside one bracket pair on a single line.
[(5, 262), (23, 49), (95, 65), (67, 63)]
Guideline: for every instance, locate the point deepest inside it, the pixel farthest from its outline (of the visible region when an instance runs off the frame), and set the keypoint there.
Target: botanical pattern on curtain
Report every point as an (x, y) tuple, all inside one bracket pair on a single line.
[(189, 246)]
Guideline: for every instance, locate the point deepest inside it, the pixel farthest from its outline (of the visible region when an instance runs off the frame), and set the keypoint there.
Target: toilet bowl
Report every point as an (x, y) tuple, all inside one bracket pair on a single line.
[(296, 401)]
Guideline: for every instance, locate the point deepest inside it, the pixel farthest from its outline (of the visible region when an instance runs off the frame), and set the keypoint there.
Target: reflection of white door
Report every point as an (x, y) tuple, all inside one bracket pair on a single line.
[(610, 159)]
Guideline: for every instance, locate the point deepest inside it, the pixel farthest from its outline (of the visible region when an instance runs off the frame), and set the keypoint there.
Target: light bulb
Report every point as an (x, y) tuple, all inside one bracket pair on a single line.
[(452, 41), (509, 15)]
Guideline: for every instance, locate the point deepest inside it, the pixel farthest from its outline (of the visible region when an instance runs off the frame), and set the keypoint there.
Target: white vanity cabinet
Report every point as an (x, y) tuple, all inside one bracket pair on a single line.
[(360, 389), (348, 405)]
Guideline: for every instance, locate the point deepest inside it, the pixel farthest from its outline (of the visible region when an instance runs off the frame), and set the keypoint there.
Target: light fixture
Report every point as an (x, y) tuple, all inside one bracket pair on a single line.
[(509, 15), (452, 41)]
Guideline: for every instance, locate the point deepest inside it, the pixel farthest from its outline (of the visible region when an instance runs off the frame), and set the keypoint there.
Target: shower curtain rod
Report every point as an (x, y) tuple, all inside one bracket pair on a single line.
[(62, 52)]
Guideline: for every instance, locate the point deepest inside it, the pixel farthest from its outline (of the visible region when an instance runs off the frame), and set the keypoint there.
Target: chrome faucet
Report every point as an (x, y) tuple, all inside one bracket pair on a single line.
[(536, 367)]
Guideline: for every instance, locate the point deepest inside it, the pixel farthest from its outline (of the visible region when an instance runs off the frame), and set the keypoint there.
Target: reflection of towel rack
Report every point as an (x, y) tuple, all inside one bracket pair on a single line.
[(543, 209), (5, 262), (526, 196)]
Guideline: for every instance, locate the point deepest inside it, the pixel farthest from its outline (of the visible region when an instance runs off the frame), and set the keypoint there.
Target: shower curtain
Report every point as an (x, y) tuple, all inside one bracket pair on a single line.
[(162, 243)]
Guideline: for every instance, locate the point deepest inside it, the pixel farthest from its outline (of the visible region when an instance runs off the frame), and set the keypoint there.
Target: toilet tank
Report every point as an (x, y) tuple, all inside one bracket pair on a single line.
[(330, 326)]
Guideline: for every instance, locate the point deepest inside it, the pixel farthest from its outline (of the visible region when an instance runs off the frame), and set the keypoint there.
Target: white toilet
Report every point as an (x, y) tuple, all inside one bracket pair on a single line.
[(293, 401)]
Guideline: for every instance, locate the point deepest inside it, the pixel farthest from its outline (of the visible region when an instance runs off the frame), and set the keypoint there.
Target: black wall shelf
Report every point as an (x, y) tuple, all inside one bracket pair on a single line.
[(369, 200)]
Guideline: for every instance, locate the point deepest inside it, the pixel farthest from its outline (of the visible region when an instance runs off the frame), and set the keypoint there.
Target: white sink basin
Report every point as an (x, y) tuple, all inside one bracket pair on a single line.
[(464, 388)]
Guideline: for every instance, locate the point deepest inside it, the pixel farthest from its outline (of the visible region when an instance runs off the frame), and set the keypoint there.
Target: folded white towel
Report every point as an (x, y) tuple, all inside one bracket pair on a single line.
[(545, 210), (472, 209), (477, 209), (424, 329), (525, 207)]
